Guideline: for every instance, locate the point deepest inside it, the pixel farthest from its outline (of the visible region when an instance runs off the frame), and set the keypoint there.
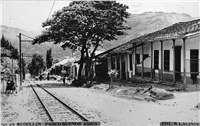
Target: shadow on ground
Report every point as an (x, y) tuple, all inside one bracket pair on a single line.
[(50, 85)]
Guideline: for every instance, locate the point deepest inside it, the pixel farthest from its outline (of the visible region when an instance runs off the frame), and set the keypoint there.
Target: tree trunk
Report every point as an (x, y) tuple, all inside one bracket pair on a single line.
[(81, 62), (89, 67), (89, 60), (80, 68)]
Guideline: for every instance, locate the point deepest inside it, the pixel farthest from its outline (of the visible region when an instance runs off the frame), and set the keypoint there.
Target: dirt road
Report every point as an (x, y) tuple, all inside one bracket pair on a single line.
[(114, 111)]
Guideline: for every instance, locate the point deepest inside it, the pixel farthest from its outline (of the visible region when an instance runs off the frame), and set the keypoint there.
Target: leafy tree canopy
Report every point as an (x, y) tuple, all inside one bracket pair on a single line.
[(7, 49), (36, 65), (49, 58), (85, 20), (84, 25)]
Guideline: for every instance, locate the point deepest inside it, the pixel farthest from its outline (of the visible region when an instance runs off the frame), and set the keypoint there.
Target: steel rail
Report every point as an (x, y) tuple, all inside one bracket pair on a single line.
[(67, 106), (49, 115)]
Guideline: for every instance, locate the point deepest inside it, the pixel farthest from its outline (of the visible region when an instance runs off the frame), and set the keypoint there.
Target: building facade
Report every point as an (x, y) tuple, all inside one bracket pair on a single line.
[(171, 54)]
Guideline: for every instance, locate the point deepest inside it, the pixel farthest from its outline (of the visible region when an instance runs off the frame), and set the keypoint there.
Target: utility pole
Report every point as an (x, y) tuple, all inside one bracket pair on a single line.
[(20, 56), (22, 66), (20, 61)]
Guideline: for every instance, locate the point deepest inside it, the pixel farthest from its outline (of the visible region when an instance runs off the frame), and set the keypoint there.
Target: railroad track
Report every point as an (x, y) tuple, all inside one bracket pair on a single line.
[(56, 109)]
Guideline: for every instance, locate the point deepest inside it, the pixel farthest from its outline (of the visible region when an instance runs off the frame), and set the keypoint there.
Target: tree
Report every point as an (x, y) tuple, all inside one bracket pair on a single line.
[(36, 65), (113, 75), (84, 25), (9, 56), (49, 58), (7, 49), (8, 66)]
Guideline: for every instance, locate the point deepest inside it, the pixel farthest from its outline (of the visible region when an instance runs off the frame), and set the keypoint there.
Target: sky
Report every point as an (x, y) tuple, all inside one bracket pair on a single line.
[(29, 15)]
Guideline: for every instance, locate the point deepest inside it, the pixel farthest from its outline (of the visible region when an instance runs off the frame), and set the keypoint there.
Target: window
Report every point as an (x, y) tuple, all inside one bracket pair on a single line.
[(194, 62), (156, 59), (166, 59), (130, 62), (137, 58)]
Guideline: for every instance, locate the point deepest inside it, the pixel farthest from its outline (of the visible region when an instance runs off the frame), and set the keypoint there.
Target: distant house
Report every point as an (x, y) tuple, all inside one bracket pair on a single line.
[(171, 54), (96, 67), (64, 67)]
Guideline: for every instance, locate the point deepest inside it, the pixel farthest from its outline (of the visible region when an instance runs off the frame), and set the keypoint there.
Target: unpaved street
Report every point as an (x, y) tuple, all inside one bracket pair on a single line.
[(102, 106)]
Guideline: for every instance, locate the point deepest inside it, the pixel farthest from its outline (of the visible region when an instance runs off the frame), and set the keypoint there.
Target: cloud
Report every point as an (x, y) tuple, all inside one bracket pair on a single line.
[(191, 8), (136, 4)]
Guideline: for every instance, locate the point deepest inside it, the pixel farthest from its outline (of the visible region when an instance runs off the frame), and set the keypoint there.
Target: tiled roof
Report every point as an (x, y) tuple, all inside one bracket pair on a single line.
[(178, 30)]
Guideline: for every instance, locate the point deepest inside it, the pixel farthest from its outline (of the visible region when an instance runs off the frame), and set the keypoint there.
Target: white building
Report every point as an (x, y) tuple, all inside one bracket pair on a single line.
[(171, 54)]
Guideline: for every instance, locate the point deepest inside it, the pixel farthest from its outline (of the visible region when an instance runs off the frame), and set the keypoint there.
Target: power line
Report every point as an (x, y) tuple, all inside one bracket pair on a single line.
[(51, 10), (27, 36)]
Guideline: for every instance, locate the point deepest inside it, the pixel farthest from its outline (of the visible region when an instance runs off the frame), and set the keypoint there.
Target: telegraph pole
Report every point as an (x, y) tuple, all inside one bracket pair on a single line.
[(22, 66), (20, 54), (20, 61)]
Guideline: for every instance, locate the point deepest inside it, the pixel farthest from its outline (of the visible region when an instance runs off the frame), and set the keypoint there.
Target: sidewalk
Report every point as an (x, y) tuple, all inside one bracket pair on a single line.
[(19, 107)]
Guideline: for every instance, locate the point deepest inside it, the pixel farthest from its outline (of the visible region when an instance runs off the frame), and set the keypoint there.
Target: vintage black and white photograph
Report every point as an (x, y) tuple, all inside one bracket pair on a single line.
[(100, 63)]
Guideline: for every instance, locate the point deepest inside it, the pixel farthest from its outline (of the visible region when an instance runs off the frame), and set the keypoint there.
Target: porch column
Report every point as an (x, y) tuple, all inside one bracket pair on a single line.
[(115, 62), (184, 65), (162, 57), (120, 66), (151, 60), (174, 65), (133, 56), (142, 74), (135, 59), (126, 67)]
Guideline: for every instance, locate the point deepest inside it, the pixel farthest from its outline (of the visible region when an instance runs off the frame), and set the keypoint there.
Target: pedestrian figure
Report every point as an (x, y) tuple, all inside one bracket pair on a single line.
[(40, 77), (11, 86), (64, 80)]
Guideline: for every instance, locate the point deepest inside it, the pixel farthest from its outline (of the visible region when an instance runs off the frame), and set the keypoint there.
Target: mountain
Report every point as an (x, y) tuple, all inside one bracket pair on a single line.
[(145, 23), (27, 48), (140, 24)]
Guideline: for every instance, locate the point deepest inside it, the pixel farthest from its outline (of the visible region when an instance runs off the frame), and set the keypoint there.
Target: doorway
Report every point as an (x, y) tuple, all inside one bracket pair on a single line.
[(194, 64), (177, 63), (123, 70)]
